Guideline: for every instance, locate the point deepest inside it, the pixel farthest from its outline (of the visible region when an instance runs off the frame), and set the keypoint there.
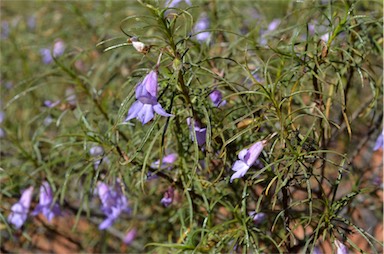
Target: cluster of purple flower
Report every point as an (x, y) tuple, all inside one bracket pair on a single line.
[(46, 206)]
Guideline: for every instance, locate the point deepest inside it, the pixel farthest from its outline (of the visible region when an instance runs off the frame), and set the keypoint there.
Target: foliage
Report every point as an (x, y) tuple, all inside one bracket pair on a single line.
[(310, 88)]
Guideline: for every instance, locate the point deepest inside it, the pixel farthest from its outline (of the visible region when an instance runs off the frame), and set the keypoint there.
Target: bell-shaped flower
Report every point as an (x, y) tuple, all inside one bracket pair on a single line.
[(19, 211), (166, 162), (257, 217), (217, 98), (46, 205), (201, 25), (113, 203), (200, 132), (247, 158), (340, 247), (173, 3), (379, 142), (168, 197), (146, 104), (130, 236)]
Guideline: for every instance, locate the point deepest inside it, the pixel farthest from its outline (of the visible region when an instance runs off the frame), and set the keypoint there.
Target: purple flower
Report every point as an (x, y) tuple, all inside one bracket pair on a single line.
[(4, 30), (46, 55), (273, 25), (50, 104), (20, 210), (316, 250), (201, 25), (113, 203), (217, 98), (31, 23), (167, 161), (130, 236), (173, 3), (247, 158), (70, 96), (257, 217), (58, 50), (340, 247), (200, 132), (96, 151), (46, 206), (168, 197), (379, 142), (146, 104)]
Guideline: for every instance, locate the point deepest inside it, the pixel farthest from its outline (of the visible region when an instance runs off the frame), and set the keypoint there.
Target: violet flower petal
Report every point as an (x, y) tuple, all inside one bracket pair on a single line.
[(19, 211)]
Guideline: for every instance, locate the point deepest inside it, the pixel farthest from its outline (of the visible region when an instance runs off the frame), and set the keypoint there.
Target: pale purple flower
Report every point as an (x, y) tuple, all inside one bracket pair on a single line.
[(46, 55), (113, 203), (167, 161), (146, 104), (168, 197), (46, 205), (51, 104), (379, 142), (271, 27), (48, 120), (316, 250), (58, 50), (70, 96), (96, 151), (201, 25), (130, 236), (340, 247), (173, 3), (257, 217), (247, 158), (217, 98), (4, 30), (31, 23), (274, 24), (19, 211), (2, 116), (201, 133), (325, 37)]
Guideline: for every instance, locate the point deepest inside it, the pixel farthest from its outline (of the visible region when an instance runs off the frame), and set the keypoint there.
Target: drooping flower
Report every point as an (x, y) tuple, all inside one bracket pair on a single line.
[(173, 3), (19, 211), (113, 203), (97, 151), (247, 158), (46, 206), (201, 25), (340, 247), (146, 104), (257, 217), (379, 142), (217, 98), (130, 236), (168, 197), (167, 161), (201, 133)]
